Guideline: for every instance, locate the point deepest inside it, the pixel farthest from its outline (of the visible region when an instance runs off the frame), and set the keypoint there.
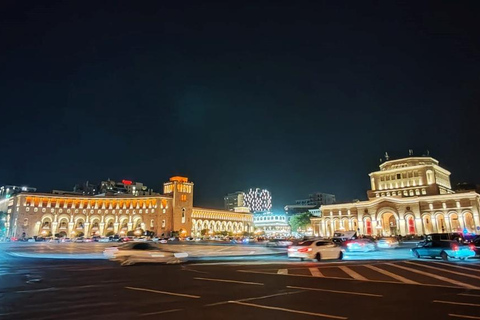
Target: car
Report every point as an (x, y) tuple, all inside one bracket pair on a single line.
[(66, 240), (30, 240), (104, 239), (387, 243), (476, 244), (444, 249), (279, 243), (315, 250), (135, 252), (79, 240), (359, 245), (342, 236)]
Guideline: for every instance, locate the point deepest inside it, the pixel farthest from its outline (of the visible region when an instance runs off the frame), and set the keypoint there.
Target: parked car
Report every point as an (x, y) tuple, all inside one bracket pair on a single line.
[(104, 239), (359, 245), (444, 249), (387, 243), (135, 252), (315, 250)]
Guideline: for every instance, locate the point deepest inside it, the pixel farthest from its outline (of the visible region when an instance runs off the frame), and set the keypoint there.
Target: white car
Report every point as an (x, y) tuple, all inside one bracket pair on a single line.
[(135, 252), (104, 239), (387, 243), (315, 250)]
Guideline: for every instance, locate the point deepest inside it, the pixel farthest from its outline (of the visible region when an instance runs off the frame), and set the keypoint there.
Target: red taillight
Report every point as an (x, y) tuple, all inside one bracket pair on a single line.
[(304, 249), (455, 247), (472, 246)]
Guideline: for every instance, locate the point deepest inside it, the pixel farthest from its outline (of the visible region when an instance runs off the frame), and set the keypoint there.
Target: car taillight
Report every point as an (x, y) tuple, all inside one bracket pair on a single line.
[(472, 246), (455, 247), (304, 249)]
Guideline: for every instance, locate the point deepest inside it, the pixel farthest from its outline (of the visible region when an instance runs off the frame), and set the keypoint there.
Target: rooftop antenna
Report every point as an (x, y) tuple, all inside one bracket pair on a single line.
[(386, 156), (410, 152)]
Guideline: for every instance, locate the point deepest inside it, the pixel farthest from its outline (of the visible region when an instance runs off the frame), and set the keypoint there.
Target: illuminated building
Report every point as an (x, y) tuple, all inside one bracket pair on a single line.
[(272, 224), (8, 191), (258, 200), (234, 200), (41, 214), (409, 196), (317, 199)]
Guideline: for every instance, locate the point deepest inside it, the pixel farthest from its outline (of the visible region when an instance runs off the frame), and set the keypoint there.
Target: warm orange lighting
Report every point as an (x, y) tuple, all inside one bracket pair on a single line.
[(179, 179)]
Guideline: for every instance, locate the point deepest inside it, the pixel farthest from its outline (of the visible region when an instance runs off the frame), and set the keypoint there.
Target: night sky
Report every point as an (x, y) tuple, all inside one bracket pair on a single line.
[(295, 97)]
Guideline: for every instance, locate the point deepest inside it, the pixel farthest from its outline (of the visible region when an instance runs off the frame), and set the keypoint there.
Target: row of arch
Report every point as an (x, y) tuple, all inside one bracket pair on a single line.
[(389, 224), (81, 224), (213, 226)]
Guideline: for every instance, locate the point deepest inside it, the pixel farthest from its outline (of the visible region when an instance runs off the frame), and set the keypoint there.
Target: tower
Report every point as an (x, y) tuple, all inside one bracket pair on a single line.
[(181, 191)]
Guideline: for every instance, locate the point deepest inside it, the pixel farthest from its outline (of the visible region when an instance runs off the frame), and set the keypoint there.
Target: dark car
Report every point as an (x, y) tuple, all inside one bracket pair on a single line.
[(444, 249), (452, 236)]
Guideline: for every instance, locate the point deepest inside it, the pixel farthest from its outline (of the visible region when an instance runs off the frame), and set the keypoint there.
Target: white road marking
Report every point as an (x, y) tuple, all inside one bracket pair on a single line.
[(288, 310), (315, 272), (350, 279), (463, 274), (458, 283), (462, 316), (469, 294), (337, 291), (282, 271), (255, 298), (391, 275), (231, 281), (160, 312), (270, 295), (352, 273), (457, 303), (38, 290), (164, 292), (455, 266)]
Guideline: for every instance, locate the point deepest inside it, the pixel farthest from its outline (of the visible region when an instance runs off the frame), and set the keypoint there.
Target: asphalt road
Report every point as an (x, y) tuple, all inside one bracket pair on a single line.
[(262, 289)]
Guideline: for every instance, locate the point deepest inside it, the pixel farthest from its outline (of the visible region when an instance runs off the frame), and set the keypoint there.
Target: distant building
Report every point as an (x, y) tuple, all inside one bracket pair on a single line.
[(311, 204), (317, 199), (8, 190), (258, 200), (233, 200), (273, 224), (293, 209), (125, 187)]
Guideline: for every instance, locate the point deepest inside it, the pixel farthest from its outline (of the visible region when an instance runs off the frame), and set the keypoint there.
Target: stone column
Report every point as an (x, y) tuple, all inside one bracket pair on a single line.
[(403, 227)]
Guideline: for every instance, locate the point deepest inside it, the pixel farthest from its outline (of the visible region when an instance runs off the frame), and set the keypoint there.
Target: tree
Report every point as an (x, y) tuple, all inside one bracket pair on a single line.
[(300, 221)]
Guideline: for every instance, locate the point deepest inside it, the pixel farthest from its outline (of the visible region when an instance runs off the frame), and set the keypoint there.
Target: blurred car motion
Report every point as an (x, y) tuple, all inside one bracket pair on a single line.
[(315, 250), (136, 252)]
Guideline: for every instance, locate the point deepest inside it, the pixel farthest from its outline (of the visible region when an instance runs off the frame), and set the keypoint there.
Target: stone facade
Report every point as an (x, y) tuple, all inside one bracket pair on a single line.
[(410, 196), (36, 214)]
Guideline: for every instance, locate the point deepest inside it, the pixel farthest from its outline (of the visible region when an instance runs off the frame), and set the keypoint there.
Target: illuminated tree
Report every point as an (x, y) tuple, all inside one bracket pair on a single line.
[(258, 200)]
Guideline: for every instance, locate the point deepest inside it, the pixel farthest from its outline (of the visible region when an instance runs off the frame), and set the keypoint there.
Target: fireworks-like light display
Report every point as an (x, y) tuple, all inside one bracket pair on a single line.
[(258, 200)]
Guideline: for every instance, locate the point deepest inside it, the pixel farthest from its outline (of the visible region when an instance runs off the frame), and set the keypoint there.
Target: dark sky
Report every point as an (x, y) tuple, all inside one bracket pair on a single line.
[(295, 97)]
